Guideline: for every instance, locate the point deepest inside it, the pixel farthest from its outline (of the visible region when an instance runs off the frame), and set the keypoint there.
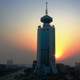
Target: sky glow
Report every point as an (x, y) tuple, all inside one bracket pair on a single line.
[(20, 19)]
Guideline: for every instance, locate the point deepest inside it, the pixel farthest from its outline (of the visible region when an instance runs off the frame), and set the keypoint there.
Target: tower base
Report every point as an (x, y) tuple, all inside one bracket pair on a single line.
[(45, 70)]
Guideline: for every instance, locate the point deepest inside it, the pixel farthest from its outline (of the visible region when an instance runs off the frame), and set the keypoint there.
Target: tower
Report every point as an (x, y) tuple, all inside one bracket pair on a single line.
[(46, 46)]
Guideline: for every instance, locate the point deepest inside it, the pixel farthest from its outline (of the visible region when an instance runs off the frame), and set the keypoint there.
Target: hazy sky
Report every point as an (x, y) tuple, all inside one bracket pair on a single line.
[(18, 29)]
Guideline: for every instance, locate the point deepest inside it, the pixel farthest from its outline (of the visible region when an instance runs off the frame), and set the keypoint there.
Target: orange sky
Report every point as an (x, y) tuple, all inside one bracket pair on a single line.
[(66, 46)]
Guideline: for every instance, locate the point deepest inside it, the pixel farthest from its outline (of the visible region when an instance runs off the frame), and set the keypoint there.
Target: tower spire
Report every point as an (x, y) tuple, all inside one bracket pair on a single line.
[(46, 11)]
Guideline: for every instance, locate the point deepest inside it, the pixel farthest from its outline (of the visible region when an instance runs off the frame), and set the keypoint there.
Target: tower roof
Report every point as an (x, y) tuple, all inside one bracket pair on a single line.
[(46, 18)]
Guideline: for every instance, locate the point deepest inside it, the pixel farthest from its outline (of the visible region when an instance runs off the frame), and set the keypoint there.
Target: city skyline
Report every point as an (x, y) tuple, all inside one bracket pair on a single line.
[(18, 25)]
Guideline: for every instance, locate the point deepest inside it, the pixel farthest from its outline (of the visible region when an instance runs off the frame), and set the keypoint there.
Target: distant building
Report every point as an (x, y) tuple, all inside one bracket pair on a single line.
[(34, 64), (10, 62), (77, 65), (46, 46)]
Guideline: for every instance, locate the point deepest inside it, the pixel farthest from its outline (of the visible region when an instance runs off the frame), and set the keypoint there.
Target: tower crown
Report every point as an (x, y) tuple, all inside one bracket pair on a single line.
[(46, 18)]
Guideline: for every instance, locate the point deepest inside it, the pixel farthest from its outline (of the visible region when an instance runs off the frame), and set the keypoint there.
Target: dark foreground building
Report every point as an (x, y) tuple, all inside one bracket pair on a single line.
[(46, 46)]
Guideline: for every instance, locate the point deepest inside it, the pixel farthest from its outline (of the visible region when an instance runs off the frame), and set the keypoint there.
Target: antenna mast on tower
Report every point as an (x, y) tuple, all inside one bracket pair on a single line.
[(46, 12)]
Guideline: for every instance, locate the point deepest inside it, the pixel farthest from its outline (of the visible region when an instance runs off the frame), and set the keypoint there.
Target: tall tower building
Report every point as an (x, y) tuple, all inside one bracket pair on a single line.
[(46, 46)]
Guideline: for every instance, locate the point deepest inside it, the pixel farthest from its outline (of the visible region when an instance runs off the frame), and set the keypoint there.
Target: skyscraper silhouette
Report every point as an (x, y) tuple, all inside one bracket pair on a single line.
[(46, 46)]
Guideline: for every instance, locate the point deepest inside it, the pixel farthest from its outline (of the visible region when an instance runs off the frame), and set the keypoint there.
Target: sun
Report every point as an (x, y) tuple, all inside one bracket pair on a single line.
[(59, 53)]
